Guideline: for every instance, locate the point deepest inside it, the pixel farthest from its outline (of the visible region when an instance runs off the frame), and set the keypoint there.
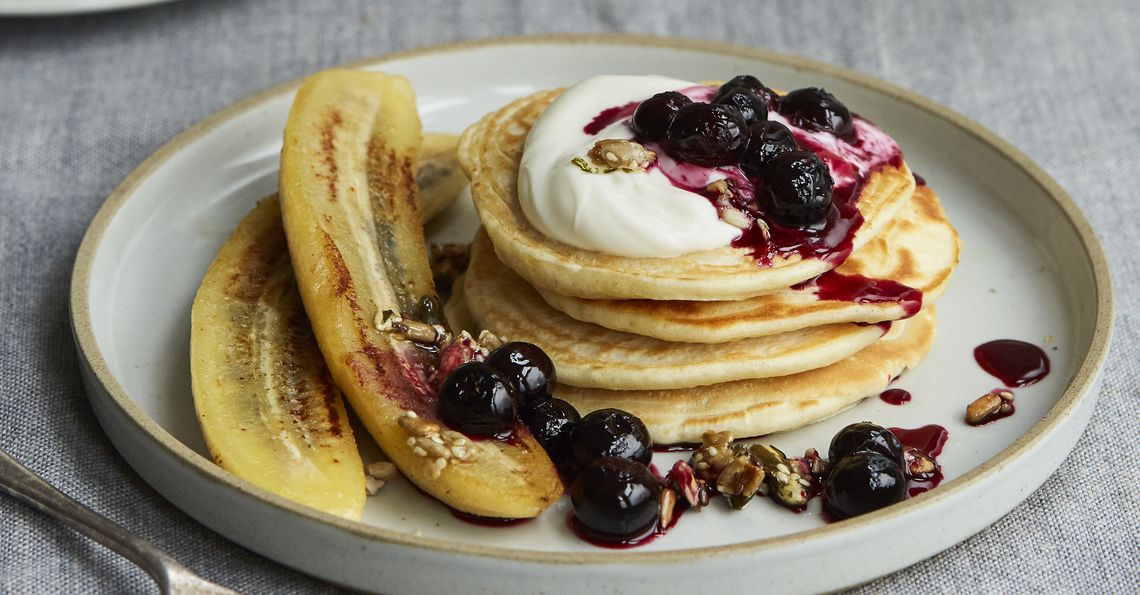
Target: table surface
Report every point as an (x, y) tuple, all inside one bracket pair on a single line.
[(84, 99)]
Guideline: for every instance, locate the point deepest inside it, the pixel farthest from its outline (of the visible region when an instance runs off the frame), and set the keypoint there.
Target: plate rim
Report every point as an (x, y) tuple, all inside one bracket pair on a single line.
[(1077, 389), (39, 10)]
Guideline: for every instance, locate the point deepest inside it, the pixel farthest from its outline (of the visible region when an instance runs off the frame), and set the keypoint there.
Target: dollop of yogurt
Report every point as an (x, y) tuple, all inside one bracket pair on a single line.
[(635, 214)]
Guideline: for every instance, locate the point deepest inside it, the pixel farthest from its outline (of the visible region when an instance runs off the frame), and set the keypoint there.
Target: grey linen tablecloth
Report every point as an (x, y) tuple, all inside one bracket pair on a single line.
[(84, 99)]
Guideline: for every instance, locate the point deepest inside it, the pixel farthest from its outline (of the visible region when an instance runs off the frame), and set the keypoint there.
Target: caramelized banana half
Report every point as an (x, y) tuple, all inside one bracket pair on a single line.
[(351, 216), (265, 400)]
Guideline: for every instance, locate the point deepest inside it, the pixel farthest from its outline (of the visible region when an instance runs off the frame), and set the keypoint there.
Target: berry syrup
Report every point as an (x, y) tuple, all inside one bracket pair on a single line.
[(864, 290), (1016, 363), (929, 439), (895, 396), (623, 543), (610, 115), (851, 164)]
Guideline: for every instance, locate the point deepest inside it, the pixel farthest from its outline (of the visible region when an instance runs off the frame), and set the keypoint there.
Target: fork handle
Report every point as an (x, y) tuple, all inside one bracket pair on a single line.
[(21, 483)]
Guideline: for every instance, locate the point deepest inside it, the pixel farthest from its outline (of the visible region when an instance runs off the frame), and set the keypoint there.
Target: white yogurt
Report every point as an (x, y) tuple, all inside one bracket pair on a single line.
[(621, 213)]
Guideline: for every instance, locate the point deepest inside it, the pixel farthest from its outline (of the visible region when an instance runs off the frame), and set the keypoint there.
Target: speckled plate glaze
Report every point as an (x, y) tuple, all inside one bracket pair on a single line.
[(1031, 269)]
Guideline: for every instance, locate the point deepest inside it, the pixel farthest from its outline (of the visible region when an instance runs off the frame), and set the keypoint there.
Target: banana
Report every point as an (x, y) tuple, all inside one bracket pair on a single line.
[(438, 176), (265, 400), (349, 207)]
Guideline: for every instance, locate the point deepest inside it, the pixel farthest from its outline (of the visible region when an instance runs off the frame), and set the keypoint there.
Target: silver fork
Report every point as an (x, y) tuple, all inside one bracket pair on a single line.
[(171, 576)]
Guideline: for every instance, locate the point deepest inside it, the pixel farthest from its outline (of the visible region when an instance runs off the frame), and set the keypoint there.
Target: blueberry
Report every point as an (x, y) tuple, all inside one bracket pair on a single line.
[(765, 141), (615, 499), (751, 106), (866, 436), (654, 115), (797, 189), (553, 424), (813, 108), (611, 433), (476, 400), (862, 482), (707, 134), (528, 370), (753, 84)]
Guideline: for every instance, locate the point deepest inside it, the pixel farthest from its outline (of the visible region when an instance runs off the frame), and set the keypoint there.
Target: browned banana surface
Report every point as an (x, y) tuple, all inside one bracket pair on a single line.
[(352, 221), (266, 402)]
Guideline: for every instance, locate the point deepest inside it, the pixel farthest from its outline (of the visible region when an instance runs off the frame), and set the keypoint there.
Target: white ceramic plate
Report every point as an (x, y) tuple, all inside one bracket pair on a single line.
[(1031, 268), (30, 8)]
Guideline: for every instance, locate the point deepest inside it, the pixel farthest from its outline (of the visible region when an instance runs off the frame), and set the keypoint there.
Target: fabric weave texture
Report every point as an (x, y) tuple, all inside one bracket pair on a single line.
[(85, 99)]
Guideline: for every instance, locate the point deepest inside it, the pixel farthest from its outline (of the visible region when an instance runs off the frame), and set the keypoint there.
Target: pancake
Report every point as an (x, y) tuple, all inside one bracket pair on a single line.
[(919, 249), (489, 152), (589, 355), (757, 407)]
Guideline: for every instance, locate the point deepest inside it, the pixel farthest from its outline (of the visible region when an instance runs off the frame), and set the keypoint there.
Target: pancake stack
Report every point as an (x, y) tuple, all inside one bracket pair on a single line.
[(714, 339)]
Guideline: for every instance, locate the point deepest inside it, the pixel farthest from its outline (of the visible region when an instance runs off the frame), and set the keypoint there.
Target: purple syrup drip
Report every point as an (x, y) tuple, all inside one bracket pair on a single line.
[(1016, 363), (929, 439), (837, 286), (610, 115), (831, 240), (895, 396)]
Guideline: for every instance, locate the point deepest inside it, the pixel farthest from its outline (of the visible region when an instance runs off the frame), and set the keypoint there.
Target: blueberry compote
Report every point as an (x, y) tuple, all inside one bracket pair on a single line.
[(707, 142), (872, 467), (753, 84), (816, 109), (610, 433), (751, 106), (476, 400), (553, 423), (1016, 363), (765, 141), (862, 482), (615, 501), (527, 369), (797, 189), (865, 436), (707, 134), (652, 118)]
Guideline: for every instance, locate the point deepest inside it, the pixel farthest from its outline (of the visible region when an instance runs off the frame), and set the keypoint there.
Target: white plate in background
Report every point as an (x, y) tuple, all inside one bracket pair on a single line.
[(35, 8)]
